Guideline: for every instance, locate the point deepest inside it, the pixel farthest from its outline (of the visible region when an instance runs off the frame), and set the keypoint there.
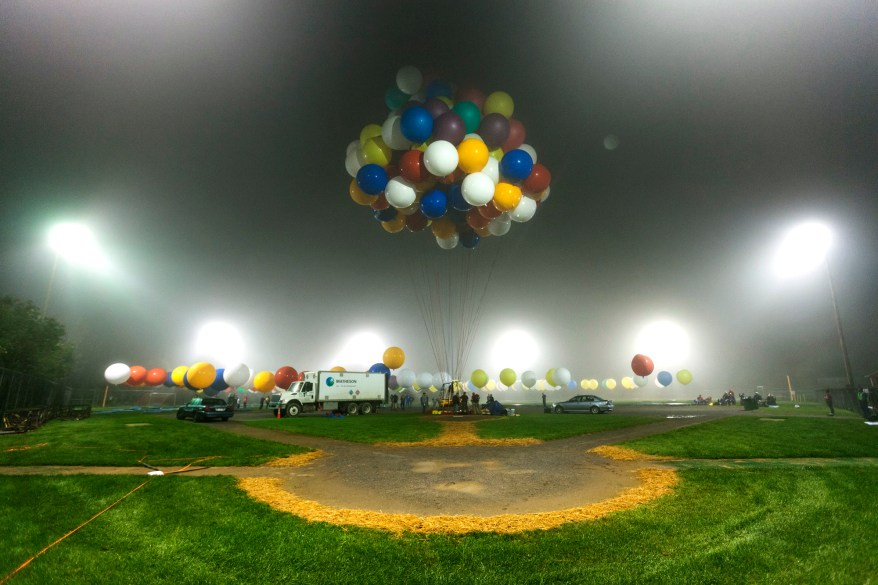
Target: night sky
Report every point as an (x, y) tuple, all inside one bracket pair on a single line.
[(204, 143)]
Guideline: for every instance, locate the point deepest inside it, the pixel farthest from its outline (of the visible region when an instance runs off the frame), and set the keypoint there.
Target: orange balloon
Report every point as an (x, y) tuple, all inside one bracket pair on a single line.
[(337, 369), (359, 196), (394, 357), (443, 228), (264, 382), (395, 225), (506, 196), (472, 155), (137, 376)]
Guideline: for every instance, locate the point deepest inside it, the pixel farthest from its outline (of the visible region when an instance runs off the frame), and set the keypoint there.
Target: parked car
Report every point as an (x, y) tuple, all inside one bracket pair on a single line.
[(204, 408), (583, 403)]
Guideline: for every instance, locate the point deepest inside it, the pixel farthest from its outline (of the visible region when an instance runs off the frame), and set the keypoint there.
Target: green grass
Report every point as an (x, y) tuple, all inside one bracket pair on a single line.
[(720, 526), (557, 426), (126, 439), (402, 427), (765, 437)]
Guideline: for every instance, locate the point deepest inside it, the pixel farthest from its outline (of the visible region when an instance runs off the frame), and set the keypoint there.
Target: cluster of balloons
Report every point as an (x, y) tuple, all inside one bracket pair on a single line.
[(446, 158), (643, 366)]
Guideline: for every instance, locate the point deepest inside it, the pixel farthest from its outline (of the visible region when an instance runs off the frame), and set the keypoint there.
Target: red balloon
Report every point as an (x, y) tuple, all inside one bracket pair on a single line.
[(380, 203), (538, 180), (392, 171), (411, 166), (285, 376), (156, 377), (471, 94), (642, 365), (475, 219), (517, 135), (416, 221), (488, 210), (137, 376)]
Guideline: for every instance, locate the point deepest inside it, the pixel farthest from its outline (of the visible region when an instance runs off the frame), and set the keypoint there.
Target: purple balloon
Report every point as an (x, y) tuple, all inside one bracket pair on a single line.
[(436, 107), (494, 130), (449, 126)]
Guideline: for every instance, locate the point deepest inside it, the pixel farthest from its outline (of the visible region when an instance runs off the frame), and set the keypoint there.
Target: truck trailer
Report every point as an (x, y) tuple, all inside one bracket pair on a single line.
[(348, 392)]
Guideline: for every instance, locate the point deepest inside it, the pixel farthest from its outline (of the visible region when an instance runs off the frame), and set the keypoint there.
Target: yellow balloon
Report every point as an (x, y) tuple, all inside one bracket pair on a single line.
[(337, 369), (395, 225), (497, 153), (369, 131), (611, 384), (359, 196), (472, 155), (499, 102), (446, 100), (585, 384), (506, 196), (484, 231), (201, 375), (375, 151), (178, 373), (264, 382), (394, 357)]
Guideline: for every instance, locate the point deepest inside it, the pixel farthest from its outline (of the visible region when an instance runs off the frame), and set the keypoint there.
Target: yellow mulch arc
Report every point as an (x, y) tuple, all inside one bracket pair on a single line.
[(462, 434), (655, 483), (625, 454), (296, 460)]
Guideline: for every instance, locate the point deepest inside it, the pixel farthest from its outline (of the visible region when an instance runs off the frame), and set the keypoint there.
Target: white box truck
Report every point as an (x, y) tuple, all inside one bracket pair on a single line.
[(349, 392)]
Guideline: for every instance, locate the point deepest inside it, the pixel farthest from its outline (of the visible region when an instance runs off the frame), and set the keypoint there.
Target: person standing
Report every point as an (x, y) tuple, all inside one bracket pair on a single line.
[(464, 399), (828, 398), (394, 399), (424, 402), (475, 402)]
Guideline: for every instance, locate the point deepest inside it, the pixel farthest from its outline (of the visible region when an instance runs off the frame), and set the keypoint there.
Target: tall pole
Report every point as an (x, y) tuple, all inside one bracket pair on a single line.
[(841, 342)]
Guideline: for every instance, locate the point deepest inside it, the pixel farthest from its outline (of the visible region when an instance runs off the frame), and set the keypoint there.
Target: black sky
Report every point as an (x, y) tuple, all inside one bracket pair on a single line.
[(205, 142)]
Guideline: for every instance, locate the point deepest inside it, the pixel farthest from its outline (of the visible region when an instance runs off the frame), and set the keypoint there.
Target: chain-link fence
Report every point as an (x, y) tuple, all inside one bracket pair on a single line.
[(26, 402)]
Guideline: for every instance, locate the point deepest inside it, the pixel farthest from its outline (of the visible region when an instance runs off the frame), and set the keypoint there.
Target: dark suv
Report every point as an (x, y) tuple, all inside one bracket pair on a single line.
[(204, 408)]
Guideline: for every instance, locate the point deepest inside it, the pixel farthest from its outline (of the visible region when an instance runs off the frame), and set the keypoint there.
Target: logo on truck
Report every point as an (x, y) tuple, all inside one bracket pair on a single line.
[(330, 381)]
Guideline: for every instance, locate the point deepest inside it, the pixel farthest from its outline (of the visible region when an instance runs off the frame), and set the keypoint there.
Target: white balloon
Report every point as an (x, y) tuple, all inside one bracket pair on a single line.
[(249, 383), (400, 192), (352, 146), (528, 149), (525, 210), (409, 79), (391, 133), (425, 380), (441, 158), (448, 243), (545, 194), (352, 163), (500, 225), (528, 379), (492, 169), (473, 135), (441, 378), (640, 381), (406, 378), (117, 373), (477, 189), (236, 375), (561, 376)]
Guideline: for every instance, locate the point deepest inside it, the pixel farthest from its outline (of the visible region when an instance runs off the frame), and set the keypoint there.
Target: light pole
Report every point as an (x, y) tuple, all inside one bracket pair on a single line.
[(76, 243), (804, 248)]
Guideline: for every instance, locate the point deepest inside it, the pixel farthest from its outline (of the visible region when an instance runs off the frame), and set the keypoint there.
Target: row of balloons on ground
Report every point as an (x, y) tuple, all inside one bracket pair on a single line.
[(451, 158), (204, 376)]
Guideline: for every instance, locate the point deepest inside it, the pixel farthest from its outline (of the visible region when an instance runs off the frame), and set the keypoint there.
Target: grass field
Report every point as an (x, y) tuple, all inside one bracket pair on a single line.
[(765, 523)]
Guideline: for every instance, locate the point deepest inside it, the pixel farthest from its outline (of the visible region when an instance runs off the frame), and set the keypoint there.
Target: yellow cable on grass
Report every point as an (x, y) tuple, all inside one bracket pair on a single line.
[(27, 562)]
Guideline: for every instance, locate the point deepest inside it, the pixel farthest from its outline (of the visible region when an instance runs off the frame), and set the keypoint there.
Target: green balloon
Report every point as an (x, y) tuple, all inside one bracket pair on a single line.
[(550, 377), (479, 378), (394, 98), (470, 114), (684, 377), (507, 376)]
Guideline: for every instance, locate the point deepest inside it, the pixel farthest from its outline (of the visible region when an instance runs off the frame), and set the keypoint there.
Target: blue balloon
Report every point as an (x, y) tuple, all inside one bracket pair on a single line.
[(437, 88), (665, 378), (380, 368), (456, 200), (211, 391), (416, 124), (469, 239), (169, 382), (219, 383), (434, 204), (186, 382), (516, 165), (372, 179), (385, 214)]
